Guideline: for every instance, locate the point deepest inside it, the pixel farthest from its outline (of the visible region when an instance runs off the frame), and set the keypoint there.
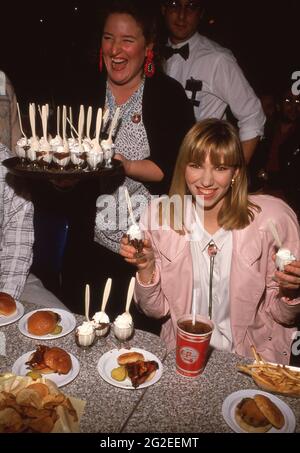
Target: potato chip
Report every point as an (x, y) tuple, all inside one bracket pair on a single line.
[(29, 397), (41, 425), (34, 406), (10, 421), (42, 389)]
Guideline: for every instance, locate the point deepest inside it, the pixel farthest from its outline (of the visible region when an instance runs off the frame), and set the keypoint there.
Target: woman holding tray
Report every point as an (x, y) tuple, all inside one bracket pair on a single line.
[(155, 114)]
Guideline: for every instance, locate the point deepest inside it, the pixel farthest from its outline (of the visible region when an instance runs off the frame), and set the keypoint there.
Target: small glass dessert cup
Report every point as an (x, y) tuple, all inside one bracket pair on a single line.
[(61, 158), (85, 335), (94, 159), (109, 152), (78, 159), (31, 156), (21, 150), (44, 159), (123, 330), (101, 324), (136, 239)]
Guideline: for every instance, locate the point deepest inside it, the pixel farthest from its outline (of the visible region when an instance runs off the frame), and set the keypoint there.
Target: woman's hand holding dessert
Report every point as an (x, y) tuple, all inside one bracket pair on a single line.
[(145, 264), (289, 280), (128, 252)]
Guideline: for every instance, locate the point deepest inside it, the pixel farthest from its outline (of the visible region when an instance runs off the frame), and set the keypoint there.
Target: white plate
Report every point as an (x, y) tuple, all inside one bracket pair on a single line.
[(5, 320), (109, 361), (20, 369), (68, 323), (230, 403)]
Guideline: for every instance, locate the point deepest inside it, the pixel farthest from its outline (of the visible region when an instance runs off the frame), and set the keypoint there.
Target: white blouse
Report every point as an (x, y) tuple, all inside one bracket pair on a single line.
[(200, 239)]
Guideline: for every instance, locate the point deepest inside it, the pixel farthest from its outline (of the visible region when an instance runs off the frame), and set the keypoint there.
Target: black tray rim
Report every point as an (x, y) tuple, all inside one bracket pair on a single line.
[(14, 166)]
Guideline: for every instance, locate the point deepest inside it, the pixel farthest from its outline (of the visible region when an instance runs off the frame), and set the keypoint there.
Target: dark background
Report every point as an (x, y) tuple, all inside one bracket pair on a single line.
[(54, 60)]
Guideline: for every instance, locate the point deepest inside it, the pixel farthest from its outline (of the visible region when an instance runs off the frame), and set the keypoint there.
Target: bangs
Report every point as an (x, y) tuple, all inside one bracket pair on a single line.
[(221, 148)]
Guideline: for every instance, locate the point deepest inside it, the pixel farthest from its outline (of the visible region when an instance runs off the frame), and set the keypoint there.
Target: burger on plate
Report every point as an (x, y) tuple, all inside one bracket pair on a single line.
[(43, 322), (7, 305), (258, 414), (50, 360), (138, 370)]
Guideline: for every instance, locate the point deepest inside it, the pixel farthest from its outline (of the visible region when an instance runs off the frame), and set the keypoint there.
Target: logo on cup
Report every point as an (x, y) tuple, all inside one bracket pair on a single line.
[(189, 355)]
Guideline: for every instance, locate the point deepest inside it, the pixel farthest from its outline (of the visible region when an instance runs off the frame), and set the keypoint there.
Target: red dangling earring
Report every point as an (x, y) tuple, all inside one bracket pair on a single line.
[(149, 68), (100, 60)]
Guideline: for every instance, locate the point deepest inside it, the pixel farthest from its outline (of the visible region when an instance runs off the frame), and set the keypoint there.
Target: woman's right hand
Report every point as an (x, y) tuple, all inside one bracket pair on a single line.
[(145, 264)]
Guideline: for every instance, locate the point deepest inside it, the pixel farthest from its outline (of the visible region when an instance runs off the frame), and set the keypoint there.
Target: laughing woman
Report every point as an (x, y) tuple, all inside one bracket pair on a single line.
[(252, 303), (155, 115)]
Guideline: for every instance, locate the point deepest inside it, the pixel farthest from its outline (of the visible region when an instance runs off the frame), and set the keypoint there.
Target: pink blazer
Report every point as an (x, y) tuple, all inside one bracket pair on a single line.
[(259, 316)]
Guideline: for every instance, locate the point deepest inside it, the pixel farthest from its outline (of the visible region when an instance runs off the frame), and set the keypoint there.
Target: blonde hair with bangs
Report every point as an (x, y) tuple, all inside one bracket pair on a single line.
[(220, 140)]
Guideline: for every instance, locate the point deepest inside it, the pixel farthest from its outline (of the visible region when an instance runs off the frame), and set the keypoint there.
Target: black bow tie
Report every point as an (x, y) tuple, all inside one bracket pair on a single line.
[(184, 51)]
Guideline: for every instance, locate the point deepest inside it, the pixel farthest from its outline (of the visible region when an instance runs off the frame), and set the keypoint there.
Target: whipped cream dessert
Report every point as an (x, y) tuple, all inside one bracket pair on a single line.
[(101, 323), (135, 237), (283, 257), (123, 326), (108, 150), (44, 154), (64, 152), (56, 142), (77, 151), (85, 334), (34, 147), (22, 147), (62, 155), (95, 157)]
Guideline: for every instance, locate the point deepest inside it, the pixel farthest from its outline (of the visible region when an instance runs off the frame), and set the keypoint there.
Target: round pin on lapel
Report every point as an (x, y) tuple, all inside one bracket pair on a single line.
[(136, 118)]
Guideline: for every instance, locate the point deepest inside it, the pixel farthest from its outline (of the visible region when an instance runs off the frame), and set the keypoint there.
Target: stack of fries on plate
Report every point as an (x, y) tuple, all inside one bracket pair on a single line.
[(272, 377)]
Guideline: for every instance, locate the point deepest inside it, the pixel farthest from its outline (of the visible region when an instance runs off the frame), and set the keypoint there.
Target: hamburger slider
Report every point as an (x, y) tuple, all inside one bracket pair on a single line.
[(43, 323), (7, 305), (258, 414), (129, 357), (139, 370), (50, 360)]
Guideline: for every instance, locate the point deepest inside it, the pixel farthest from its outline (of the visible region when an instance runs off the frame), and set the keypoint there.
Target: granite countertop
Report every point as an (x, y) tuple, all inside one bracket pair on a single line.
[(177, 404), (174, 404), (107, 407)]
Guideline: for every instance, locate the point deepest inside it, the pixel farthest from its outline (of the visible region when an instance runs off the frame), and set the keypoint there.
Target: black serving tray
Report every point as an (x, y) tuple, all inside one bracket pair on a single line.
[(15, 166)]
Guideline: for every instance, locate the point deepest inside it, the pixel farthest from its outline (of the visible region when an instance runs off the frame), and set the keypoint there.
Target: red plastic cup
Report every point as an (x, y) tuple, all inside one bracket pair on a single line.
[(192, 345)]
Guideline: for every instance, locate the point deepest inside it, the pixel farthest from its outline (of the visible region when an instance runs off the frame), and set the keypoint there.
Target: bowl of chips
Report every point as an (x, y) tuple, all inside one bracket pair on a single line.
[(36, 406)]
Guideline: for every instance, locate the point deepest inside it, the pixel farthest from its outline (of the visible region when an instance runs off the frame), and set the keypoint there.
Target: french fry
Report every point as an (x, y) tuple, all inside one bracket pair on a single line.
[(274, 378)]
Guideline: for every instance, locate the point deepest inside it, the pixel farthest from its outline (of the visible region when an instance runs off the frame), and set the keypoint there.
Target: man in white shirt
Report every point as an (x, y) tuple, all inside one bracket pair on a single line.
[(209, 73)]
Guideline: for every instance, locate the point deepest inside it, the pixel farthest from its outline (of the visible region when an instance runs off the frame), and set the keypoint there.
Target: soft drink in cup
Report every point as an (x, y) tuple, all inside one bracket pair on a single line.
[(192, 344)]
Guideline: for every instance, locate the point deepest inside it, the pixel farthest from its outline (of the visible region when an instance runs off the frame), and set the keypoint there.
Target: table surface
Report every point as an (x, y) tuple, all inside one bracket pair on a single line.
[(174, 404)]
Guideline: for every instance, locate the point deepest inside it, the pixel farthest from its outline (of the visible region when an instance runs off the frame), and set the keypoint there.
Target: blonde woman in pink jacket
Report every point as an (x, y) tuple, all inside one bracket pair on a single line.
[(251, 303)]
